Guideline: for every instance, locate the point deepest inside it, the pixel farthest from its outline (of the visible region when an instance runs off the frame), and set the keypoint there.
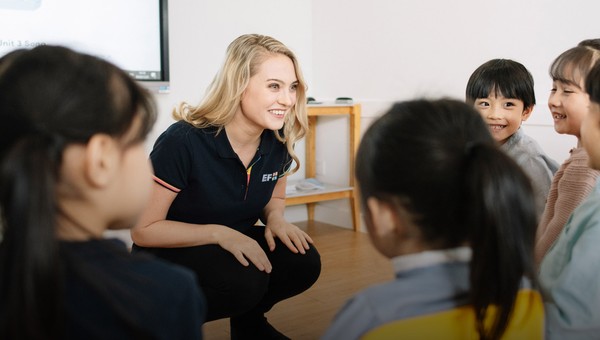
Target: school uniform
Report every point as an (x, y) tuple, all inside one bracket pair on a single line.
[(426, 283)]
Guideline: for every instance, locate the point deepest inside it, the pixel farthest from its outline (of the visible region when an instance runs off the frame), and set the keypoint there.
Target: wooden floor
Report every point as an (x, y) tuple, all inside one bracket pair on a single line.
[(349, 264)]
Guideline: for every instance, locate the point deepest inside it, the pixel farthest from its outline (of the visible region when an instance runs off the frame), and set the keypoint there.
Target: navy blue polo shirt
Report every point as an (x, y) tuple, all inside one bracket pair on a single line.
[(213, 186)]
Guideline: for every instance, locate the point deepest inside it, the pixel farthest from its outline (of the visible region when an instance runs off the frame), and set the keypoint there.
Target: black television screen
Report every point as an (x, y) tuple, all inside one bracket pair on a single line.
[(133, 34)]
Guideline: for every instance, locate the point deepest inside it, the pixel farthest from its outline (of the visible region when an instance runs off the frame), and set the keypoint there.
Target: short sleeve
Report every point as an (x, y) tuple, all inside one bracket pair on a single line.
[(171, 157)]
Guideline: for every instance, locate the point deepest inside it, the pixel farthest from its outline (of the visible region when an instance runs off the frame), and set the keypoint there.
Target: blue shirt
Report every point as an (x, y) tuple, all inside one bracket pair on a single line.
[(426, 282), (570, 275)]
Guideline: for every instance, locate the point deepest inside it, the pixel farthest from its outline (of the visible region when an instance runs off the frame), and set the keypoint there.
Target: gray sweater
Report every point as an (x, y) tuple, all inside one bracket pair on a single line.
[(532, 159)]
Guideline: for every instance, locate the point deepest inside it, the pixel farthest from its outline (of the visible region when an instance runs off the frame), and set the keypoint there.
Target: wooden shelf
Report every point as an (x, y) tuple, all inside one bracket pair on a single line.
[(330, 192)]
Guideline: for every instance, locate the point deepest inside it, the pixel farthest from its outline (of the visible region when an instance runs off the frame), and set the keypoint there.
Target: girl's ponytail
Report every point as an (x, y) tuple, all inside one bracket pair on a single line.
[(460, 189), (30, 282), (500, 215)]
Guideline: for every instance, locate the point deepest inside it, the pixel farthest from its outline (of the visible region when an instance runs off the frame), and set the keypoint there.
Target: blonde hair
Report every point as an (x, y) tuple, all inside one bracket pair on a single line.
[(243, 57)]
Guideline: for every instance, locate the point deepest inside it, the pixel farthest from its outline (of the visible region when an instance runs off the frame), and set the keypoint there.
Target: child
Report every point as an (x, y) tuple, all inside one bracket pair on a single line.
[(570, 272), (73, 164), (458, 224), (574, 180), (502, 91)]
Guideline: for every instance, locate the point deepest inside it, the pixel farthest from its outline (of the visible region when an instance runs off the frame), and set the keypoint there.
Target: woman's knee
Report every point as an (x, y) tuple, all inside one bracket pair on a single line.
[(310, 265), (298, 269), (243, 281), (234, 292)]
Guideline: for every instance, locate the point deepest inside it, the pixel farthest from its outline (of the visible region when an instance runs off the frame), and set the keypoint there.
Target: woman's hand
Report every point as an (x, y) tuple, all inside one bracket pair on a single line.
[(243, 248), (276, 226), (292, 236)]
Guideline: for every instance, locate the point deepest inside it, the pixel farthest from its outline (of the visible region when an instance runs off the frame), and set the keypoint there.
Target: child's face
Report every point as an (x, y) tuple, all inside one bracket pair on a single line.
[(590, 135), (568, 105), (134, 186), (502, 115)]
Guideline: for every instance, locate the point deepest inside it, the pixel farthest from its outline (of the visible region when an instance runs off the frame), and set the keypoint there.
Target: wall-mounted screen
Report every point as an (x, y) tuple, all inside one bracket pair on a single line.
[(133, 34)]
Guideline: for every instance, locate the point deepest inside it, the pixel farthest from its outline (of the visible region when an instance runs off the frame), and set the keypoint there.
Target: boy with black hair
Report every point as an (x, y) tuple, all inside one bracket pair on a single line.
[(502, 91)]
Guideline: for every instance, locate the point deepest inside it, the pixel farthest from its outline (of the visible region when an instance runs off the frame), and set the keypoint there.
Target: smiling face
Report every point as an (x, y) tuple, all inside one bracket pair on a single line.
[(502, 115), (568, 105), (270, 93)]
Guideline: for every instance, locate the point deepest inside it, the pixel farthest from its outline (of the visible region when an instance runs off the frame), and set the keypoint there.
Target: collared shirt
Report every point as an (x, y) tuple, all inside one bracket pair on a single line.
[(213, 186), (426, 282)]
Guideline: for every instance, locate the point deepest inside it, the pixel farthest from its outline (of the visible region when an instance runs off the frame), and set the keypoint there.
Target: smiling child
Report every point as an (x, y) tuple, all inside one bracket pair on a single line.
[(502, 91), (574, 180)]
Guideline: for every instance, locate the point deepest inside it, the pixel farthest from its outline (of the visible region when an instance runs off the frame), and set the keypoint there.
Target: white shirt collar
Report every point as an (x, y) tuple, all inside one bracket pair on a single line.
[(431, 257)]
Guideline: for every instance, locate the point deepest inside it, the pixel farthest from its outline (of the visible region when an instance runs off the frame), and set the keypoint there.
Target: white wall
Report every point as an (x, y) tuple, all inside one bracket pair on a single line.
[(199, 32), (381, 51)]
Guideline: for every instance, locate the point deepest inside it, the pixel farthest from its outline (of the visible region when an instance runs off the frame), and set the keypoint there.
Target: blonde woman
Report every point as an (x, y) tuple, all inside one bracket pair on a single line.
[(218, 170)]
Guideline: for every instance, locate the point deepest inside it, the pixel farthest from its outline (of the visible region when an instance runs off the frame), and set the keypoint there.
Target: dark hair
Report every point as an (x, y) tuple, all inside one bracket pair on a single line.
[(504, 77), (593, 43), (573, 65), (438, 159), (592, 83), (50, 97)]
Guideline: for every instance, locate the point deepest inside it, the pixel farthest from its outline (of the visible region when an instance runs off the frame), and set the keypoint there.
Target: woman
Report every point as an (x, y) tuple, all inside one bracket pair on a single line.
[(218, 170)]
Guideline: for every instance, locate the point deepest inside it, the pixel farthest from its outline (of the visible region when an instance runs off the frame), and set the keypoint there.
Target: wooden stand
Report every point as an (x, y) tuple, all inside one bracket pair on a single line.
[(330, 192)]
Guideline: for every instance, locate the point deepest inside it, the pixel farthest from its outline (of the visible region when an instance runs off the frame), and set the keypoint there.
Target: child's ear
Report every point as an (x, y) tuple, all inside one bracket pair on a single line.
[(526, 113), (391, 229), (384, 218), (101, 160)]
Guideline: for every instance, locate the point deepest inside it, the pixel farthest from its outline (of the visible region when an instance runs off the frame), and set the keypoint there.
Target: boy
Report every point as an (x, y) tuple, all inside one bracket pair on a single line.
[(502, 91)]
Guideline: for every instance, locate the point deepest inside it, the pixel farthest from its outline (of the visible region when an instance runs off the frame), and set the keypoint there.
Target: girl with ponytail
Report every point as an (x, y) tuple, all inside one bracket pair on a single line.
[(457, 217), (72, 165)]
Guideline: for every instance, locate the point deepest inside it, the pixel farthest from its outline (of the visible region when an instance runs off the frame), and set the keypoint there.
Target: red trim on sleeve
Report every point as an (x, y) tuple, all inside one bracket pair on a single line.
[(166, 185)]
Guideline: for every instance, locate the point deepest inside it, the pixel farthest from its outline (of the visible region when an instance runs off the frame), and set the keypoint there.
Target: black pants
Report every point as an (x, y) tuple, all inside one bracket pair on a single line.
[(234, 290)]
